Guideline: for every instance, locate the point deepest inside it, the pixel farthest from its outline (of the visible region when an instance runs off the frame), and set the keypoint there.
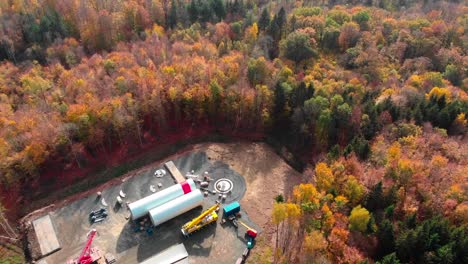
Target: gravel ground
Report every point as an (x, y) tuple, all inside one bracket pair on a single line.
[(215, 244)]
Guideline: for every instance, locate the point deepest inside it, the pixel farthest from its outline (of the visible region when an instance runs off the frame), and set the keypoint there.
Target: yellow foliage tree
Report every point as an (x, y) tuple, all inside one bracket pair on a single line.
[(327, 218), (460, 123), (306, 192), (285, 211), (293, 213), (353, 190), (415, 81), (35, 85), (279, 213), (37, 152), (4, 148), (456, 192), (77, 112), (358, 219), (323, 177), (251, 33), (394, 152), (315, 243), (341, 201), (438, 93), (439, 161), (156, 30), (405, 170), (461, 213), (278, 216)]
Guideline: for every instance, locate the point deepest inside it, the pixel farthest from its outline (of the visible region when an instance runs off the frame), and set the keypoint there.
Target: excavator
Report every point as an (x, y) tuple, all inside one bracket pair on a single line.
[(207, 217)]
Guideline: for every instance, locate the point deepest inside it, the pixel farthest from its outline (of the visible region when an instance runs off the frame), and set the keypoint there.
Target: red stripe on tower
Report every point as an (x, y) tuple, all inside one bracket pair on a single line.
[(186, 187)]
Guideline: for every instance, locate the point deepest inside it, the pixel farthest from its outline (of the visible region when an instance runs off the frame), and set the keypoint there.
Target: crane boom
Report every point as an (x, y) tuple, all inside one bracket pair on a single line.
[(85, 256), (207, 217), (246, 226)]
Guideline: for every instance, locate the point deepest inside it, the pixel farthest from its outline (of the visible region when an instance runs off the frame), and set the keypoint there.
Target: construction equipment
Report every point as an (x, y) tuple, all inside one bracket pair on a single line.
[(98, 215), (88, 255), (207, 217), (251, 234), (246, 226), (230, 212), (231, 209)]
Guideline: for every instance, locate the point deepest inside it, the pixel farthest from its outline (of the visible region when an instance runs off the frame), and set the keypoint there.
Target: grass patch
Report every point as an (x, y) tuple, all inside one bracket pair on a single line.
[(11, 254)]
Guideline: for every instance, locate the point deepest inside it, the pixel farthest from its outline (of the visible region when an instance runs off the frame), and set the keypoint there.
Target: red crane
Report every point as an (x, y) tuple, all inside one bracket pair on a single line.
[(85, 256)]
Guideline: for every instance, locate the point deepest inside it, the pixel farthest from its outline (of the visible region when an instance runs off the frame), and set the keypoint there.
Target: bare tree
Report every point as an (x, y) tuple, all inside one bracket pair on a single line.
[(10, 233), (67, 130)]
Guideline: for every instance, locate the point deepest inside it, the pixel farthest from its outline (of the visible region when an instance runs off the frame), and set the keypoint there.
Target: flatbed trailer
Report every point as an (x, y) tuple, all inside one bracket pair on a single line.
[(171, 167)]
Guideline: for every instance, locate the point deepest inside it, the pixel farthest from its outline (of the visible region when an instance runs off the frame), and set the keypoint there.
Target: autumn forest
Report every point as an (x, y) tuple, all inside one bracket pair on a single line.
[(369, 96)]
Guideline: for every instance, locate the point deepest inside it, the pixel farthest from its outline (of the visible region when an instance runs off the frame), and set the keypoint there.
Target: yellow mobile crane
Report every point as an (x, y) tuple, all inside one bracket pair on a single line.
[(207, 217)]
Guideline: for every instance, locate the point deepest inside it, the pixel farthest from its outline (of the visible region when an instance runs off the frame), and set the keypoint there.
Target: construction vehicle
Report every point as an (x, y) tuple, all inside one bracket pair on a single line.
[(98, 215), (207, 217), (251, 234), (88, 255), (92, 255), (231, 212)]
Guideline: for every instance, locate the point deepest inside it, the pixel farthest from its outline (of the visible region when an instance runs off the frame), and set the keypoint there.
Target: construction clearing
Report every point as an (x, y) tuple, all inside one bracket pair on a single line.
[(149, 217)]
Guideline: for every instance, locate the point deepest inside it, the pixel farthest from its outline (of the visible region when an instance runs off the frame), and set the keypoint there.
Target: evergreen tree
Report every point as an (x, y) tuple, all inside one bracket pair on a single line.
[(219, 9), (264, 20), (279, 198), (274, 30), (205, 12), (52, 26), (453, 75), (389, 259), (371, 126), (238, 8), (459, 238), (406, 245), (172, 18), (281, 19), (334, 152), (375, 199), (371, 226), (417, 115), (386, 237), (293, 22), (361, 147), (298, 96), (410, 221), (443, 119), (280, 100), (310, 91), (193, 11)]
